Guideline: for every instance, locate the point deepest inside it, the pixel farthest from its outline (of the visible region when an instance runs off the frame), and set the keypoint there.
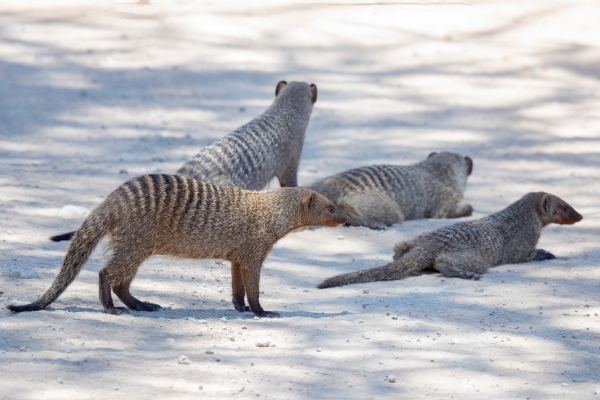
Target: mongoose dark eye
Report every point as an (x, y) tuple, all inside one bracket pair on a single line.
[(331, 209)]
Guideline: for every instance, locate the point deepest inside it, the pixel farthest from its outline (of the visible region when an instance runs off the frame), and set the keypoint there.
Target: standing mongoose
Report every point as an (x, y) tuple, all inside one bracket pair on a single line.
[(182, 217), (269, 145), (468, 249), (381, 195)]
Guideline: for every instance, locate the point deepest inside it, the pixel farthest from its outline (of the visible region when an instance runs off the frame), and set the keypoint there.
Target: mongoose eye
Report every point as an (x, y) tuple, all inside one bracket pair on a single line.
[(331, 209)]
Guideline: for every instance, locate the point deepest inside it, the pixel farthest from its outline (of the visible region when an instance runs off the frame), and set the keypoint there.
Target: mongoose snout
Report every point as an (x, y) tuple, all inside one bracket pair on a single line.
[(467, 249), (182, 217)]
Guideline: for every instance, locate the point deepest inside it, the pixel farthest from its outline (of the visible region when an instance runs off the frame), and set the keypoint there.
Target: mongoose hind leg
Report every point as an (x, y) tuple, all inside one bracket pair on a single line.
[(237, 287), (118, 275), (541, 255), (251, 278), (374, 210), (463, 265)]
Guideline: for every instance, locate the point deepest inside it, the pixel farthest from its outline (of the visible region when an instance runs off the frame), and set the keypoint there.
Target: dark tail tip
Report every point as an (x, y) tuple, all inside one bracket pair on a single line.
[(326, 284), (26, 307), (64, 236)]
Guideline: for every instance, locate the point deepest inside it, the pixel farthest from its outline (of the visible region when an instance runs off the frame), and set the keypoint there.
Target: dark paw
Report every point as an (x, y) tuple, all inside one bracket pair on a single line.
[(146, 306), (267, 314), (116, 310), (378, 226), (469, 275), (543, 255)]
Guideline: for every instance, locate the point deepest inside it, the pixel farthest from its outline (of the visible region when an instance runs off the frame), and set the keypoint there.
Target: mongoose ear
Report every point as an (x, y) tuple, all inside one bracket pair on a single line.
[(280, 86), (431, 154), (469, 165), (313, 91), (309, 203), (546, 204)]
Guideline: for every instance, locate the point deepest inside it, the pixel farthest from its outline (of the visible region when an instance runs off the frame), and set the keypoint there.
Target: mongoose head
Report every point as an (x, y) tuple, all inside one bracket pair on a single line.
[(455, 167), (318, 210), (294, 101), (554, 210)]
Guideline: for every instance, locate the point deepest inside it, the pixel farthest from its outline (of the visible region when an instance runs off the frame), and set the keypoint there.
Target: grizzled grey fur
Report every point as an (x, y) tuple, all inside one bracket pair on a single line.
[(468, 249), (381, 195), (269, 145)]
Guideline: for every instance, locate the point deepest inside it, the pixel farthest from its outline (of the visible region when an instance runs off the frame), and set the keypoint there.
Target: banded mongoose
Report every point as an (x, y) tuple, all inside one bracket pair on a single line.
[(467, 249), (269, 145), (182, 217), (378, 196)]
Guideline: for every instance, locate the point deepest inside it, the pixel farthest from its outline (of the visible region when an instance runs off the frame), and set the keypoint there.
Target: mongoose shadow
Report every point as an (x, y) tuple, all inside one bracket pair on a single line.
[(378, 196), (171, 215), (467, 249), (268, 146)]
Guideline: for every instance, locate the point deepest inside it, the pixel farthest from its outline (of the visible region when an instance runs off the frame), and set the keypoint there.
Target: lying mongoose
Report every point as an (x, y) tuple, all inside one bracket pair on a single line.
[(182, 217), (381, 195), (269, 145), (468, 249)]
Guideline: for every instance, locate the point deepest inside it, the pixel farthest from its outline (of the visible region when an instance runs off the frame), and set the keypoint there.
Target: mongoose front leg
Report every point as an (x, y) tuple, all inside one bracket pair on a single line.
[(541, 254), (237, 287), (463, 210), (452, 272), (251, 277)]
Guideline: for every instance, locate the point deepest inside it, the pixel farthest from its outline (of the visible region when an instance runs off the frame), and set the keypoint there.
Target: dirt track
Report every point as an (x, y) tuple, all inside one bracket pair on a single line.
[(89, 91)]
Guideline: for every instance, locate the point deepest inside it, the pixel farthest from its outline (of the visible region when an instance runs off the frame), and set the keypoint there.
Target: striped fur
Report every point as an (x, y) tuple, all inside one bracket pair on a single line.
[(468, 249), (381, 195), (182, 217), (269, 145)]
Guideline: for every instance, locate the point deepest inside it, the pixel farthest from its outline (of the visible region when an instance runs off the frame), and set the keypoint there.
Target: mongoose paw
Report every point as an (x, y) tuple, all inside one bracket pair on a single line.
[(116, 310), (378, 226), (543, 255), (146, 306), (469, 275), (267, 314), (241, 307)]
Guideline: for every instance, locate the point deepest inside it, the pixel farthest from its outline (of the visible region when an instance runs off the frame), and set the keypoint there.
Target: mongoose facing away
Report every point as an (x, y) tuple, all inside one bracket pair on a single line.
[(381, 195), (182, 217), (269, 145), (468, 249)]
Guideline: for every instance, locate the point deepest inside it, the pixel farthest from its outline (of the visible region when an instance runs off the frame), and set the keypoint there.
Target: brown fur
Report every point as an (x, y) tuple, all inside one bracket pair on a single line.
[(183, 217), (468, 249)]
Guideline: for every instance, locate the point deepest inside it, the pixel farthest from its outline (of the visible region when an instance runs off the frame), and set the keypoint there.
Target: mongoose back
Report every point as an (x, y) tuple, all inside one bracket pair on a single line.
[(381, 195), (468, 249), (183, 217), (269, 145)]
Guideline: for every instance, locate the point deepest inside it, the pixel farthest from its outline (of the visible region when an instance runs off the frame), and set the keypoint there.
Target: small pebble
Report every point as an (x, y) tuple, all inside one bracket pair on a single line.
[(60, 381), (170, 341), (365, 291), (184, 360), (360, 321), (210, 352), (202, 321), (123, 172), (244, 327), (564, 385), (232, 339), (391, 378), (10, 232), (341, 237), (224, 319), (318, 350), (200, 334), (262, 344), (438, 333), (200, 387), (68, 341), (215, 359), (255, 317)]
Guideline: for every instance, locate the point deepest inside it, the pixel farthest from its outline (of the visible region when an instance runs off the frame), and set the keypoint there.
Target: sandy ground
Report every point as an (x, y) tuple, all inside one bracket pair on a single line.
[(90, 90)]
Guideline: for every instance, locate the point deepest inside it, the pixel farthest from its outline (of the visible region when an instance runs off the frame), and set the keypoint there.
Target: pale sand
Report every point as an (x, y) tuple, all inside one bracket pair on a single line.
[(89, 90)]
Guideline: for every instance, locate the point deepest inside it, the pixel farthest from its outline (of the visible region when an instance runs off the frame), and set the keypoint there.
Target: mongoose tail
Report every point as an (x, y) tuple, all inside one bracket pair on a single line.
[(85, 240), (398, 269), (63, 236)]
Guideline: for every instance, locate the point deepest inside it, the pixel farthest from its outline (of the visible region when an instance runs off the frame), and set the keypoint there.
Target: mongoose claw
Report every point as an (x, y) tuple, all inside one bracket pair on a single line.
[(146, 306), (543, 255), (469, 275)]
